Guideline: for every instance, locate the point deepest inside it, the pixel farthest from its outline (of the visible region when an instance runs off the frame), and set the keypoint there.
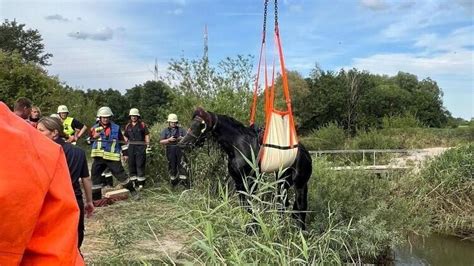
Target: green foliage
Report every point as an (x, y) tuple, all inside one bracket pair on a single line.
[(401, 121), (329, 137), (27, 42), (366, 204), (445, 189), (374, 140), (225, 88), (359, 100), (153, 99), (20, 79)]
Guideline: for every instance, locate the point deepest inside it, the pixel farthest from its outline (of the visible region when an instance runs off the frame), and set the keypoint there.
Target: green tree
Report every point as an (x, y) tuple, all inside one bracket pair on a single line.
[(226, 88), (27, 42), (20, 79), (113, 99), (153, 99)]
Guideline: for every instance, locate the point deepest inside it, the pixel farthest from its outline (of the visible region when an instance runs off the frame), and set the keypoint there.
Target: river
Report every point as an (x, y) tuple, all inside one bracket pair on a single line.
[(436, 250)]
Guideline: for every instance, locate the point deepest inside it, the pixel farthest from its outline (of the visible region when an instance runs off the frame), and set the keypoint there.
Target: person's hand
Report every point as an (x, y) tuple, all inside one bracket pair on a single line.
[(89, 208), (172, 139), (148, 149), (95, 135), (71, 139), (125, 159)]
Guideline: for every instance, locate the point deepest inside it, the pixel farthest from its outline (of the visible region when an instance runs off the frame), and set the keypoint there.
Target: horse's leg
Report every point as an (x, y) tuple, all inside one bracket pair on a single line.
[(301, 205)]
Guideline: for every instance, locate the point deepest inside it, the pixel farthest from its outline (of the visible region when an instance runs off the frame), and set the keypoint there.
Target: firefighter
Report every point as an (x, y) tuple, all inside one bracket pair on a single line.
[(170, 137), (106, 138), (35, 116), (138, 137), (72, 127)]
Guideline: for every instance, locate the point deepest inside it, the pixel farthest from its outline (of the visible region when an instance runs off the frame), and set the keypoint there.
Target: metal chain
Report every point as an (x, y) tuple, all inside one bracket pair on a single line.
[(265, 20), (276, 13)]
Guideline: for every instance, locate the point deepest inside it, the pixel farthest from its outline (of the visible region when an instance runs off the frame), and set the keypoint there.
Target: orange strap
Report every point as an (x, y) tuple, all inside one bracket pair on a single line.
[(269, 91)]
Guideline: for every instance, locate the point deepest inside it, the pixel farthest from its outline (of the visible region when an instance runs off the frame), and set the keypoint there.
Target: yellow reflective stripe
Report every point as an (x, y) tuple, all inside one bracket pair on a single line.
[(97, 153), (111, 156), (99, 143), (68, 130), (112, 147)]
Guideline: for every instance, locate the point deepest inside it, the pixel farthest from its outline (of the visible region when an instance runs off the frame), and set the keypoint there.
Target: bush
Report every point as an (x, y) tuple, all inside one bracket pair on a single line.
[(374, 140), (402, 121), (449, 190), (329, 137), (378, 219)]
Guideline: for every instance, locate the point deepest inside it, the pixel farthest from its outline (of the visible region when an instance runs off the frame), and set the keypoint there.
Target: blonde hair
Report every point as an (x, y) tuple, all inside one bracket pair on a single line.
[(36, 108), (53, 123)]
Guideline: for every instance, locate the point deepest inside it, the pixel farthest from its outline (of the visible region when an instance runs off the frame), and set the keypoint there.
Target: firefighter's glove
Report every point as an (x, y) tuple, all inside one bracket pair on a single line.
[(125, 150), (148, 149)]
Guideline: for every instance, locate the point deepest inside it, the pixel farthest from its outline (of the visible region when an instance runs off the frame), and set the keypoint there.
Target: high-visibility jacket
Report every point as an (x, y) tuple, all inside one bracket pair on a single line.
[(67, 124), (105, 146), (38, 211)]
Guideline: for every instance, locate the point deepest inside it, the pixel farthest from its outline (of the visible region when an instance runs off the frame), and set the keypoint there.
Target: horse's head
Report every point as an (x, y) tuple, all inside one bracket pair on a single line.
[(202, 124)]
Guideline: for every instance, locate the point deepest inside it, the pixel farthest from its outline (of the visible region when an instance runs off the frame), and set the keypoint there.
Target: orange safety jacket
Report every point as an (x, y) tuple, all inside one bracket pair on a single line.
[(38, 211)]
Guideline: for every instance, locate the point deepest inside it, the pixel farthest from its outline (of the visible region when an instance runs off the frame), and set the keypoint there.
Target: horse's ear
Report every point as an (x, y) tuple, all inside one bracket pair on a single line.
[(200, 112)]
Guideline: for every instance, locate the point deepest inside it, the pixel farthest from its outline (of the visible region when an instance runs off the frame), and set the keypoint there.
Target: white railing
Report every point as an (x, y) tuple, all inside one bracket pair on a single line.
[(364, 152)]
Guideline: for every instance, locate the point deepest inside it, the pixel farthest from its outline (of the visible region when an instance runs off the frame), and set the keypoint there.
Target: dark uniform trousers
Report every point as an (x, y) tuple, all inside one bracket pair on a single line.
[(80, 229), (174, 155), (98, 167), (137, 160)]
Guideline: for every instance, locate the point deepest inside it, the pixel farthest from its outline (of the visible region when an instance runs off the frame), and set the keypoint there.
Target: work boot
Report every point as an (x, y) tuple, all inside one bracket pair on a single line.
[(133, 192), (139, 185)]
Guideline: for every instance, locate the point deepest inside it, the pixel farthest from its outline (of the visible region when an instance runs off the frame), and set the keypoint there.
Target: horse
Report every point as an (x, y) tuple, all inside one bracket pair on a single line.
[(239, 141)]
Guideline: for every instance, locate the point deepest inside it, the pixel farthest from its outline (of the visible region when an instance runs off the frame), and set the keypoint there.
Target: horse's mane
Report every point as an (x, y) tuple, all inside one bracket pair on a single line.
[(232, 122), (226, 121)]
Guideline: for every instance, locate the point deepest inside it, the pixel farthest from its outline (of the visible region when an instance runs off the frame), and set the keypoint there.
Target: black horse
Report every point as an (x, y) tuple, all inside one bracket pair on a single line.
[(238, 141)]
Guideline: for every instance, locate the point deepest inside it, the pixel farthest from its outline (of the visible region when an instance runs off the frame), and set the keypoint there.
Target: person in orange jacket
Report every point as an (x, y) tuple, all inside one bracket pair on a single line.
[(38, 212)]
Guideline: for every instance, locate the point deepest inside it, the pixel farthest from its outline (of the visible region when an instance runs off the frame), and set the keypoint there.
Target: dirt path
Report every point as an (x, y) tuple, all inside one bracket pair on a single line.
[(135, 231), (416, 158)]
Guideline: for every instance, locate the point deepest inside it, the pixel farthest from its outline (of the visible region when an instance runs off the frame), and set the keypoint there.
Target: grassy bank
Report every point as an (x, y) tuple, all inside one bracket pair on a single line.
[(353, 218), (448, 191)]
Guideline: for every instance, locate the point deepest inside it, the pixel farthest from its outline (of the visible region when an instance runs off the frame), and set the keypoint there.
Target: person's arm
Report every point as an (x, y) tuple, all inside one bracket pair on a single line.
[(125, 134), (81, 132), (147, 139), (163, 139), (89, 206)]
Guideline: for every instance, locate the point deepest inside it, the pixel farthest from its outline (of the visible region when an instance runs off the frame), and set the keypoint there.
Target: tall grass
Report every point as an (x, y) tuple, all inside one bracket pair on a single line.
[(450, 191)]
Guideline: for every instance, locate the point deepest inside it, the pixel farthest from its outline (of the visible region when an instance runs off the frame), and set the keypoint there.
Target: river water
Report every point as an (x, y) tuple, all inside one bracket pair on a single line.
[(436, 250)]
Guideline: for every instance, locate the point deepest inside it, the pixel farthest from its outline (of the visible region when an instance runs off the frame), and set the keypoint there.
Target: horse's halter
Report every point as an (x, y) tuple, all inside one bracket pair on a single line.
[(204, 132)]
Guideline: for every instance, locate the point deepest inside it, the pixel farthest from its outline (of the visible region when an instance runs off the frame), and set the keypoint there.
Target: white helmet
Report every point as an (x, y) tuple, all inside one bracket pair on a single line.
[(104, 111), (172, 118), (134, 111), (54, 115), (62, 109)]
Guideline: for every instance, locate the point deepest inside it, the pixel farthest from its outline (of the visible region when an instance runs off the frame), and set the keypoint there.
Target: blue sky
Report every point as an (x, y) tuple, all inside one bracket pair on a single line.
[(102, 44)]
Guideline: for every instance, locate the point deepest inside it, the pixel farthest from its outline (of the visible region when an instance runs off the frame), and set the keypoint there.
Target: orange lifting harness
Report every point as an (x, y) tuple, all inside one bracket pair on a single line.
[(280, 143)]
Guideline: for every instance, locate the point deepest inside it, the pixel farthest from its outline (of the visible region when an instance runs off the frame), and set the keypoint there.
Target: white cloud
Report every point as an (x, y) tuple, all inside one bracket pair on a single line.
[(56, 17), (458, 63), (468, 5), (456, 40), (103, 34), (374, 5)]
